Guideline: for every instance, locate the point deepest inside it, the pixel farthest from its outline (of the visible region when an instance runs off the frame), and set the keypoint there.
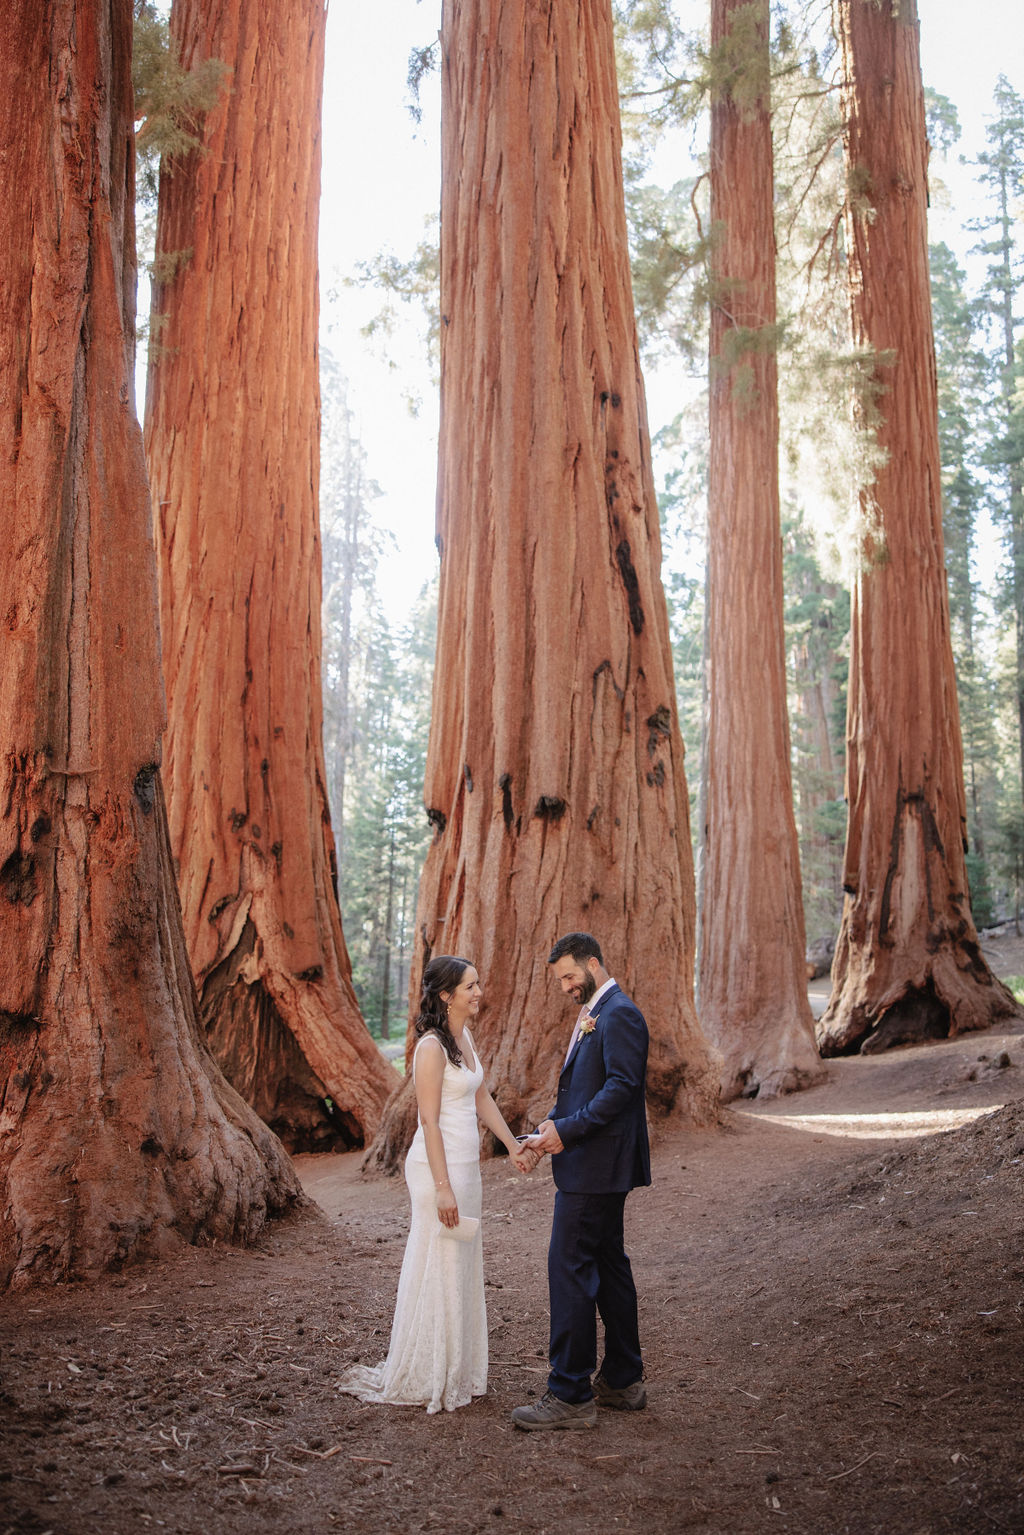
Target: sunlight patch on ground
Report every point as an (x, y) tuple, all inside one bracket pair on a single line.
[(899, 1125)]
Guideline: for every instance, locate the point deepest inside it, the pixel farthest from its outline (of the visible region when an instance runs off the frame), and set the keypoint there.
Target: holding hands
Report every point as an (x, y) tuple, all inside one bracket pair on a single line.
[(545, 1139), (523, 1159)]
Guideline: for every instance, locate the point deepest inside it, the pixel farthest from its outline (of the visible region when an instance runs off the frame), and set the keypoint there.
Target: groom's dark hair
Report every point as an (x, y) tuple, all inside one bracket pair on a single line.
[(577, 946)]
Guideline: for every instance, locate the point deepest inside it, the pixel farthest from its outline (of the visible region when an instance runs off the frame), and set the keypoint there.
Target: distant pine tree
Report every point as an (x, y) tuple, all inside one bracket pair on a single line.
[(1001, 174)]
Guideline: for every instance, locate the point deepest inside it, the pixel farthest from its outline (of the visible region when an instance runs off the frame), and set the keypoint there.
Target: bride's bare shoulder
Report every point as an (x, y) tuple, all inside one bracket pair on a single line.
[(429, 1048)]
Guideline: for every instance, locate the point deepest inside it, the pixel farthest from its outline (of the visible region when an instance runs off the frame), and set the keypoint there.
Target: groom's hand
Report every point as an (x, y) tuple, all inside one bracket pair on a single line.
[(546, 1138)]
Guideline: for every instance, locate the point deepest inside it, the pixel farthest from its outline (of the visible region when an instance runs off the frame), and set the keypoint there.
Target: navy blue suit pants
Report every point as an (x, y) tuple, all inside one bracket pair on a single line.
[(588, 1272)]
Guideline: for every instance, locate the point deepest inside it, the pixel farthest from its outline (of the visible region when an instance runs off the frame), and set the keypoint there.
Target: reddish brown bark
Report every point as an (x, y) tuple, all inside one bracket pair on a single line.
[(908, 964), (232, 424), (753, 979), (555, 765), (118, 1134)]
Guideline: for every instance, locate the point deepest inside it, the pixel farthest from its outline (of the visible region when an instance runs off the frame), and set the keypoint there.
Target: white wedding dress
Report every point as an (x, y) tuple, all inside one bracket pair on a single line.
[(438, 1352)]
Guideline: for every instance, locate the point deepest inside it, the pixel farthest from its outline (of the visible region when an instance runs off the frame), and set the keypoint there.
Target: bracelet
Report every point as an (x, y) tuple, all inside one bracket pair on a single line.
[(444, 1184)]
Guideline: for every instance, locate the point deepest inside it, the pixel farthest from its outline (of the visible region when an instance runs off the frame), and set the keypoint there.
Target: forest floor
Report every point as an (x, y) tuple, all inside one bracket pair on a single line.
[(831, 1312)]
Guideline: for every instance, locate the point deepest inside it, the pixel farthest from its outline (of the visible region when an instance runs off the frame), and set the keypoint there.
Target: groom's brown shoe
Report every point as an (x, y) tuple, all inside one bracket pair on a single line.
[(552, 1412), (625, 1398)]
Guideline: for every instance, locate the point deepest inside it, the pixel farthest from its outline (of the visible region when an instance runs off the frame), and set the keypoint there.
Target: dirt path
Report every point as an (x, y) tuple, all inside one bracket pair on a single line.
[(831, 1315)]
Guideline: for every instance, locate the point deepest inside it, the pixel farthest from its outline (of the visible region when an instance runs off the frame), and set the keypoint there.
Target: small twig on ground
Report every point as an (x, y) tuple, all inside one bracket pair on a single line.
[(837, 1474), (304, 1470)]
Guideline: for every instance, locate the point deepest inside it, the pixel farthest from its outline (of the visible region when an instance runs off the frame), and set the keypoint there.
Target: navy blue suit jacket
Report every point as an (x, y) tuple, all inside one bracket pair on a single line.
[(601, 1115)]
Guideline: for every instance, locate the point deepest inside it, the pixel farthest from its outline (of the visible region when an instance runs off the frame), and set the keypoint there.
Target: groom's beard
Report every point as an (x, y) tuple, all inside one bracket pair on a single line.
[(585, 990)]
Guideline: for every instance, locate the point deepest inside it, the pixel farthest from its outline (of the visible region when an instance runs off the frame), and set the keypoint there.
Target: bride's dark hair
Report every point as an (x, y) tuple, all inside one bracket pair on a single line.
[(443, 973)]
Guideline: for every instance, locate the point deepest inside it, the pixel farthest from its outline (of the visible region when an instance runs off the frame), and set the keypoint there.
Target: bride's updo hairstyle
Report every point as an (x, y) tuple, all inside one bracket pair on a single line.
[(443, 973)]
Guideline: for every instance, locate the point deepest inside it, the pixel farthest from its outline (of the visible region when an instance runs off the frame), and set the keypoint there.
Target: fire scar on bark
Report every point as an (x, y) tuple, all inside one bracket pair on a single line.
[(921, 974)]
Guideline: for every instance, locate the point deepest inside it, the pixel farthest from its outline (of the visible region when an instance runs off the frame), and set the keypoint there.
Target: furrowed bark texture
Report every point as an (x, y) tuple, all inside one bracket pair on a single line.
[(908, 964), (118, 1133), (555, 772), (753, 979), (232, 436)]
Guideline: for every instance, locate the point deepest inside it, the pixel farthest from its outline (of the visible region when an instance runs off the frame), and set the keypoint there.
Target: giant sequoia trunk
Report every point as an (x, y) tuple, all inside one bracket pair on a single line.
[(555, 773), (232, 426), (753, 979), (118, 1134), (908, 965)]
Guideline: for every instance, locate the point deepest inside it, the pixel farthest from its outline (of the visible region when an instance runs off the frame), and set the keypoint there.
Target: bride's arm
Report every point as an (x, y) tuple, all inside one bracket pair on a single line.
[(489, 1114), (428, 1074)]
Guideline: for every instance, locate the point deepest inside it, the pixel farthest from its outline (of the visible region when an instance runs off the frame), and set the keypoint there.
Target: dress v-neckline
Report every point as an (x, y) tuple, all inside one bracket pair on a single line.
[(467, 1035)]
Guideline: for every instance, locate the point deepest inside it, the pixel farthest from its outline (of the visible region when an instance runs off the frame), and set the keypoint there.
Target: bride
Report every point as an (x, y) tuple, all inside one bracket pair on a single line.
[(438, 1352)]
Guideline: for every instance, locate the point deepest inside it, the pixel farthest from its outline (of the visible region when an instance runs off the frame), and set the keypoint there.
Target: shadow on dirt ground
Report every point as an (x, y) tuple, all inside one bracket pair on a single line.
[(831, 1294)]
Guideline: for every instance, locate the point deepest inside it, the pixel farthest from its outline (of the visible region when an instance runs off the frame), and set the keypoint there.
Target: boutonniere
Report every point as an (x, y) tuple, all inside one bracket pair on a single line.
[(586, 1027)]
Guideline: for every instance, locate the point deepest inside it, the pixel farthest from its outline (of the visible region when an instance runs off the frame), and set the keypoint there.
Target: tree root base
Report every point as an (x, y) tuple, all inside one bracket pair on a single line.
[(918, 1017)]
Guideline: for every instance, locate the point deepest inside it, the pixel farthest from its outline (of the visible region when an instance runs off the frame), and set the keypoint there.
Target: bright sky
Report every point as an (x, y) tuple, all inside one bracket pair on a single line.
[(380, 185)]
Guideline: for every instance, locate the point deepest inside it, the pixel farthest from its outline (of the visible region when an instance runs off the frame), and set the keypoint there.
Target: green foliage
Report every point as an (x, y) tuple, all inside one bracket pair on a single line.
[(859, 193), (376, 684), (385, 829), (416, 284), (169, 100), (165, 267), (739, 344), (737, 70), (660, 77), (422, 63), (993, 463), (978, 477), (685, 595), (942, 121), (1007, 863), (169, 105), (828, 389), (817, 625), (668, 256), (1001, 175), (979, 885), (682, 502), (961, 377)]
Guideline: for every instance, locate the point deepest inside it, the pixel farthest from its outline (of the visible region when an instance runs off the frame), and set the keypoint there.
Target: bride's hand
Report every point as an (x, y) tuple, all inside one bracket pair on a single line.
[(524, 1159), (447, 1205)]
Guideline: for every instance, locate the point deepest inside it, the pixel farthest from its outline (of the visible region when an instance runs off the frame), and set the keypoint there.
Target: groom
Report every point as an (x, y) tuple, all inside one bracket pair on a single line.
[(597, 1137)]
